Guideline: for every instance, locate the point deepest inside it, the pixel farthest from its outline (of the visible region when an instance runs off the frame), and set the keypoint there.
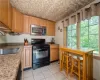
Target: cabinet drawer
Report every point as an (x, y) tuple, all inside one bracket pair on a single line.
[(54, 46)]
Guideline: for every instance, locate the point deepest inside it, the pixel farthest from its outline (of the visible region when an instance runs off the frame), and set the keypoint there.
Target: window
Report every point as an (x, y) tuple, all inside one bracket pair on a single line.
[(71, 34), (89, 34)]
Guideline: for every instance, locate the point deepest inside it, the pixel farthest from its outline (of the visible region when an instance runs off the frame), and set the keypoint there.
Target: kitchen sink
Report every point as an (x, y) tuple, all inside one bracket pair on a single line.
[(9, 51)]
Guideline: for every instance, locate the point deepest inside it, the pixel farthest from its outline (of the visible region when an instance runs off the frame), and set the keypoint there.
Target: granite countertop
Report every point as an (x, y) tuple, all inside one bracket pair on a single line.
[(9, 64)]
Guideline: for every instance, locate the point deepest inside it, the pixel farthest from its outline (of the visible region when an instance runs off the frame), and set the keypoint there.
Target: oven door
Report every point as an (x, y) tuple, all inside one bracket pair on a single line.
[(41, 54)]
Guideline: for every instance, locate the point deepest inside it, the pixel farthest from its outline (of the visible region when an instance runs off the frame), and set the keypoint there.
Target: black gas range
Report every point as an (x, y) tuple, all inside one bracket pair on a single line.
[(40, 53)]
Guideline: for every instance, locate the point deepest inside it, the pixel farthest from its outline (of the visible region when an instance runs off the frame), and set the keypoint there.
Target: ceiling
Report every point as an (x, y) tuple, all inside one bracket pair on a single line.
[(49, 9)]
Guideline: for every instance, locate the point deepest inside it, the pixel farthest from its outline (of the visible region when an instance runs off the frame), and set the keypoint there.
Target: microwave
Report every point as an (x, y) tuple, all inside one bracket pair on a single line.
[(38, 30)]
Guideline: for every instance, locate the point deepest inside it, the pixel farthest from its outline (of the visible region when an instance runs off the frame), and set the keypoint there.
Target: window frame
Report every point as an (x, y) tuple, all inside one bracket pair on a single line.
[(78, 35), (71, 35), (89, 34)]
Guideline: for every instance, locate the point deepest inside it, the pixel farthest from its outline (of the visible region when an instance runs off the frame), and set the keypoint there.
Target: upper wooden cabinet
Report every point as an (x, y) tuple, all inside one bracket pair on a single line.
[(0, 10), (10, 16), (26, 25), (43, 22), (37, 21), (17, 21), (50, 28), (5, 12), (34, 20), (50, 25), (20, 23)]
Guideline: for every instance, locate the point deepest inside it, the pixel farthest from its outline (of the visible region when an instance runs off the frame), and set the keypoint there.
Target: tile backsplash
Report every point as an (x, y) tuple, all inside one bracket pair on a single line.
[(3, 39), (20, 38)]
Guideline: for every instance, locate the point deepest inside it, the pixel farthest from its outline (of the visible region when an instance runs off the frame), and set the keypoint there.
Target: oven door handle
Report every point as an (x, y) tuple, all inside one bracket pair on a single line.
[(43, 50)]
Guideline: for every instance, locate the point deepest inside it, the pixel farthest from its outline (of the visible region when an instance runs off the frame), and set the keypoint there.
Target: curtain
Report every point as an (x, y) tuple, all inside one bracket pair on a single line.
[(85, 13), (78, 17), (66, 22), (88, 13), (98, 9), (93, 10), (73, 19)]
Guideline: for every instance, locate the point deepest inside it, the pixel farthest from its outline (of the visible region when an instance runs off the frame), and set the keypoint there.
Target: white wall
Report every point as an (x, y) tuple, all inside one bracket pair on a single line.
[(20, 38), (58, 34), (96, 70), (2, 39)]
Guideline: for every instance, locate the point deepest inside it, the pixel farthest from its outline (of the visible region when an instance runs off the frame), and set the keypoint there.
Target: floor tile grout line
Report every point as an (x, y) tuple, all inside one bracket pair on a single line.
[(44, 76), (48, 68), (33, 75), (42, 73), (27, 77)]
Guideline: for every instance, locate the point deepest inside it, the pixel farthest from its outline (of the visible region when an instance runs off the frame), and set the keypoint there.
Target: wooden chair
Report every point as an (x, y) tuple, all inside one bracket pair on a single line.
[(61, 60), (77, 67), (66, 62)]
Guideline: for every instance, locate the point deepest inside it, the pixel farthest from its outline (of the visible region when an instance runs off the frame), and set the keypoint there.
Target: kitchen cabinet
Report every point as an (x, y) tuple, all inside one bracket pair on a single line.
[(0, 10), (50, 25), (27, 55), (43, 22), (34, 20), (26, 27), (5, 12), (37, 21), (10, 16), (17, 21), (54, 52), (20, 23), (50, 28)]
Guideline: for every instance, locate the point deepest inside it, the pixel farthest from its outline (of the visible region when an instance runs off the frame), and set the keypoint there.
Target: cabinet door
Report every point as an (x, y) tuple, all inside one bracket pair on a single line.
[(26, 24), (0, 10), (54, 54), (9, 15), (4, 11), (17, 24), (34, 21), (50, 28), (43, 22), (27, 57)]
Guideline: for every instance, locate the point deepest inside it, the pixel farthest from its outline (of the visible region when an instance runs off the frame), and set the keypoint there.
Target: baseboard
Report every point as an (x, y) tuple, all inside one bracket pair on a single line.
[(27, 69), (54, 61), (94, 79)]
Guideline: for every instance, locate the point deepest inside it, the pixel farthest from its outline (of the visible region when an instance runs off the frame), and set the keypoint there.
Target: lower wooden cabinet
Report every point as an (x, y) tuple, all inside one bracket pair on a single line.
[(27, 27), (27, 55), (54, 52)]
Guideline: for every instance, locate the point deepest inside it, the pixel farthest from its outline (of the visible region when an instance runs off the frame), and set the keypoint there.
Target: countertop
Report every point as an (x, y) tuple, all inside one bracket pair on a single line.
[(9, 63)]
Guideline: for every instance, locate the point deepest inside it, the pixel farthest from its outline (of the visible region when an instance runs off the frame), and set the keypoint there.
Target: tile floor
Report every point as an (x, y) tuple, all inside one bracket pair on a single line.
[(50, 72)]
